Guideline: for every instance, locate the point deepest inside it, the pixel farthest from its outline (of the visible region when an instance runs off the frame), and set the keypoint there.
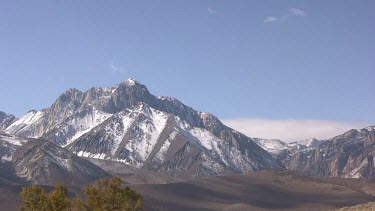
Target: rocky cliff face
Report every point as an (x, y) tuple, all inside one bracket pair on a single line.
[(43, 162), (127, 124), (6, 120), (144, 137), (348, 155)]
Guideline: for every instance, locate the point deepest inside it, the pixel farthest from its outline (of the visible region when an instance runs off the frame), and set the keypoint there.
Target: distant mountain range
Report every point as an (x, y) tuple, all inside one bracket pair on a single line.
[(350, 155), (127, 124)]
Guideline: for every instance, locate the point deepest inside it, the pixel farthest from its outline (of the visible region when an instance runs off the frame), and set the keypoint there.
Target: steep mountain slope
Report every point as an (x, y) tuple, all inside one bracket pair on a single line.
[(6, 120), (127, 124), (8, 146), (43, 162), (145, 137), (348, 155), (76, 125), (27, 125)]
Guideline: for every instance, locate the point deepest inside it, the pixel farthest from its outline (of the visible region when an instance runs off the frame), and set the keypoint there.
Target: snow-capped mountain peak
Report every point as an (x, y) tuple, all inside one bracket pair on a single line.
[(312, 142), (126, 123), (272, 145), (24, 122), (131, 82)]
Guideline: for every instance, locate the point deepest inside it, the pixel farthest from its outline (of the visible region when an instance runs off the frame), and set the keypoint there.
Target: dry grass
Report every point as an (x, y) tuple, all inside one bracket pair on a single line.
[(266, 190), (361, 207)]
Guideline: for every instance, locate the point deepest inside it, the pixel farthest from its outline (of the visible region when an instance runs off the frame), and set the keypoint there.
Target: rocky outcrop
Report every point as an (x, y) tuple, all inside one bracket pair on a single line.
[(6, 120), (348, 155), (43, 162)]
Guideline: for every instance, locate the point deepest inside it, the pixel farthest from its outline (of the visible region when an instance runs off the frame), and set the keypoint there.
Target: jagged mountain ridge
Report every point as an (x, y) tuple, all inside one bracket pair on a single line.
[(130, 137), (349, 155), (273, 146), (127, 124), (6, 120), (43, 162), (312, 142)]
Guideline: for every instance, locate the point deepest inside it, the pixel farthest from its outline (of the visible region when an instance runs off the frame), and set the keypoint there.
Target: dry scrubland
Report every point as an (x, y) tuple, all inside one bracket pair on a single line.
[(361, 207)]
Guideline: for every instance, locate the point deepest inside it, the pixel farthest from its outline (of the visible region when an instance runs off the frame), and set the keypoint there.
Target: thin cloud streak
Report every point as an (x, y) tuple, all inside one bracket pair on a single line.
[(297, 12), (270, 19), (292, 12), (211, 11), (289, 130), (117, 69)]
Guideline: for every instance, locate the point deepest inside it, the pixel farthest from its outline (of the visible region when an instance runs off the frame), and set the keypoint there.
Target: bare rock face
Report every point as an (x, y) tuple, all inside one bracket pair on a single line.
[(147, 138), (348, 155), (127, 124), (43, 162), (6, 120)]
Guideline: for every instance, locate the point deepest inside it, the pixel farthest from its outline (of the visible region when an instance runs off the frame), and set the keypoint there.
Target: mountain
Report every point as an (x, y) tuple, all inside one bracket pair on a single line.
[(8, 146), (308, 142), (273, 146), (349, 155), (6, 120), (43, 162), (127, 124)]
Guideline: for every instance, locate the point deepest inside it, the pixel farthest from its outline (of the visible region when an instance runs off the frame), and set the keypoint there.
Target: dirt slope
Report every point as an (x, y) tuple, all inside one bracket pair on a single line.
[(266, 190)]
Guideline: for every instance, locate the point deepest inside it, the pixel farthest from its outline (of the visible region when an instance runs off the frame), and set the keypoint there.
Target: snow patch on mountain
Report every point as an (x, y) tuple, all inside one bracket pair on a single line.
[(30, 118), (11, 139), (91, 155), (126, 123), (119, 131), (78, 126), (272, 145), (161, 155), (145, 125), (131, 82), (215, 150), (312, 142), (147, 134)]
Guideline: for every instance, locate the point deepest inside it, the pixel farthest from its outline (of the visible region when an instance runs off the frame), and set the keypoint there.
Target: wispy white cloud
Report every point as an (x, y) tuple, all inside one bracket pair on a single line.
[(292, 12), (291, 129), (270, 19), (297, 12), (117, 68), (211, 11)]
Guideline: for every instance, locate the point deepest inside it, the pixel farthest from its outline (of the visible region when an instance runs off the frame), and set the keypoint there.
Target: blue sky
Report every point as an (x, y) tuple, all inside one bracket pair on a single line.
[(236, 59)]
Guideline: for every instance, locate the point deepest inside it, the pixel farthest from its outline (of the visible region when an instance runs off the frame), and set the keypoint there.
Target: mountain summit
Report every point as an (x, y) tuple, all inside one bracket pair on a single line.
[(127, 124)]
